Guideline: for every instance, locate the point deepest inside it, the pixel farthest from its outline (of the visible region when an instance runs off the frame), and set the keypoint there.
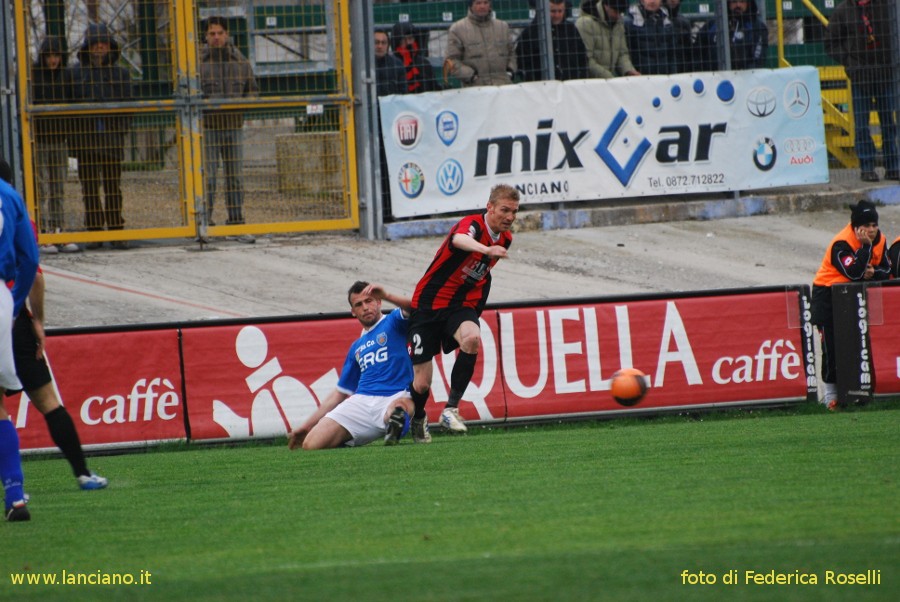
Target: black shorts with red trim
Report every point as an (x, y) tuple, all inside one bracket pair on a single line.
[(431, 332)]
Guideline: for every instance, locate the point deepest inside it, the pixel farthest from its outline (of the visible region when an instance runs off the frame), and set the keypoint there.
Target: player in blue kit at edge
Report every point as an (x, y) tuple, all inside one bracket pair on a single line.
[(371, 399), (18, 264)]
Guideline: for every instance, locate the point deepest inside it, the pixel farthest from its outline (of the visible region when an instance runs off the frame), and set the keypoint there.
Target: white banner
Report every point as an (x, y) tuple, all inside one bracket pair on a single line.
[(596, 139)]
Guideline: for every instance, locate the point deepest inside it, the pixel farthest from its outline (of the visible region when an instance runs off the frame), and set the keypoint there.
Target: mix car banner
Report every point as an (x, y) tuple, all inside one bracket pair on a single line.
[(596, 139), (238, 381)]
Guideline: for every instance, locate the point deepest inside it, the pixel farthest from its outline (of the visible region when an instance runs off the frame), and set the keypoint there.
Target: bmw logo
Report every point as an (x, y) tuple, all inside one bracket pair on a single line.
[(450, 177), (411, 180), (764, 154)]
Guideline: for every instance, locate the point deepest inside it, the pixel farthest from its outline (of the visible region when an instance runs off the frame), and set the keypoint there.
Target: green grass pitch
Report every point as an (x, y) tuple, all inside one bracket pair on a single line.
[(613, 510)]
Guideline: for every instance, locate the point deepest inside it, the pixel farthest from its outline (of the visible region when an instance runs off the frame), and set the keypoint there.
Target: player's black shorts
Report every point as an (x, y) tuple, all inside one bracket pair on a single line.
[(430, 332), (33, 372)]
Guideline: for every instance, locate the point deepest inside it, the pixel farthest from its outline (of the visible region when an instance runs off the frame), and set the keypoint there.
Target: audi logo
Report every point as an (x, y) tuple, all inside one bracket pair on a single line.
[(796, 146)]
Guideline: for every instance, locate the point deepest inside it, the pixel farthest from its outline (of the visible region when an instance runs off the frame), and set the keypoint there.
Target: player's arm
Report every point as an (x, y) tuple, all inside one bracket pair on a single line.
[(464, 242), (379, 292), (36, 303), (296, 436)]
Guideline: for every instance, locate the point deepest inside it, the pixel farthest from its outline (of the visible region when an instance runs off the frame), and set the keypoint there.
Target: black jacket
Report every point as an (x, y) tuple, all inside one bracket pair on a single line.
[(106, 82), (50, 86), (651, 40), (390, 77), (419, 72), (848, 41), (569, 54)]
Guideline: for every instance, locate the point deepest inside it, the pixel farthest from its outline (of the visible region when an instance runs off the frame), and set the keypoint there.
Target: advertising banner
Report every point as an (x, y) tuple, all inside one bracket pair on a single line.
[(261, 380), (694, 351), (596, 139), (240, 381), (884, 335), (118, 387)]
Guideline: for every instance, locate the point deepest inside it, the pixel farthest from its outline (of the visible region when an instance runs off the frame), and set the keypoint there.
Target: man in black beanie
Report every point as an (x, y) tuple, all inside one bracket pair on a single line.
[(858, 253)]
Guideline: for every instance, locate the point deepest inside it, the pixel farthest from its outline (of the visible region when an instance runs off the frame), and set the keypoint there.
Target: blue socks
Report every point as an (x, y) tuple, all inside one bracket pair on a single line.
[(10, 463)]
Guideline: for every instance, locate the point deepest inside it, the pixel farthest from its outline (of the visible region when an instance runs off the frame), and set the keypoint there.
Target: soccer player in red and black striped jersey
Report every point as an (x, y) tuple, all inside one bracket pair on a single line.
[(449, 299)]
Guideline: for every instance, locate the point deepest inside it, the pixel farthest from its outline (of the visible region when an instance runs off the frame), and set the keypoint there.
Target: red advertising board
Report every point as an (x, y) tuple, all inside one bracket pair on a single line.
[(225, 380), (261, 380), (884, 335), (119, 388), (695, 351)]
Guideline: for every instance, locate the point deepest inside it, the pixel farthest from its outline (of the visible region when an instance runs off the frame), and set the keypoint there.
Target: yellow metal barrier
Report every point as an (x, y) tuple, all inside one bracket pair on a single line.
[(165, 154)]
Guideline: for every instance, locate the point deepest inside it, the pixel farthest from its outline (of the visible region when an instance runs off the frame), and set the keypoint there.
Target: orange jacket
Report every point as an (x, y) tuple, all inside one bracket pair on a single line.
[(846, 259)]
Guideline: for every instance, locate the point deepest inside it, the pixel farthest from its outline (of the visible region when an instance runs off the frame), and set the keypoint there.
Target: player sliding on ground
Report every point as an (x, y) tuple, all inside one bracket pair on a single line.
[(450, 297), (371, 399)]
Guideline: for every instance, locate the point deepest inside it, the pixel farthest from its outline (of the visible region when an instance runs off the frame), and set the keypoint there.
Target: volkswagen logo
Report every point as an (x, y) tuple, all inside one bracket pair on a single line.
[(450, 177)]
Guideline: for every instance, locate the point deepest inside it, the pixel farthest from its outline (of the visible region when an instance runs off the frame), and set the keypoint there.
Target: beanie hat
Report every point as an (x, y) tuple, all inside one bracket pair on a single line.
[(863, 213)]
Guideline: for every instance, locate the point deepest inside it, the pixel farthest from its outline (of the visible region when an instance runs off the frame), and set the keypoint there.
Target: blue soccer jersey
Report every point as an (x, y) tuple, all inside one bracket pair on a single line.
[(378, 362)]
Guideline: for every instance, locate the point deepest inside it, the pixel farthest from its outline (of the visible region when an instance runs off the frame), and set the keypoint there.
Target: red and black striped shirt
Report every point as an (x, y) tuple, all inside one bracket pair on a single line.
[(458, 278)]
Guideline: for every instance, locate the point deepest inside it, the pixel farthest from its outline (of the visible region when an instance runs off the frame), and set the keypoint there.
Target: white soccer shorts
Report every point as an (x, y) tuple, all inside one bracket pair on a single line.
[(8, 379), (363, 416)]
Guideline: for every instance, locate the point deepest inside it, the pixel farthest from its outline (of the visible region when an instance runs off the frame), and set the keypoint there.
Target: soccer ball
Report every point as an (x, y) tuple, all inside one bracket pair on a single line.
[(628, 386)]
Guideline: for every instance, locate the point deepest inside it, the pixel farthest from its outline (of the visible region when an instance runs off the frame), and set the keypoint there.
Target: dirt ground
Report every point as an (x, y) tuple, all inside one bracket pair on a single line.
[(164, 281)]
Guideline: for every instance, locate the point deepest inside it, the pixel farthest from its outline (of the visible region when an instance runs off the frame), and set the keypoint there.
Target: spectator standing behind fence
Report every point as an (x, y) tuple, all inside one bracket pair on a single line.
[(98, 140), (569, 54), (859, 38), (480, 51), (603, 34), (684, 46), (409, 44), (650, 35), (748, 37), (390, 77), (225, 73), (50, 84)]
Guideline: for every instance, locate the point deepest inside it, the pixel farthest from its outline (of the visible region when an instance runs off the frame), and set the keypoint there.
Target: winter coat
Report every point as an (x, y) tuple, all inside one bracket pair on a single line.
[(569, 54), (390, 77), (685, 59), (417, 68), (748, 36), (50, 86), (225, 73), (605, 43), (848, 42), (480, 51), (105, 82), (651, 40)]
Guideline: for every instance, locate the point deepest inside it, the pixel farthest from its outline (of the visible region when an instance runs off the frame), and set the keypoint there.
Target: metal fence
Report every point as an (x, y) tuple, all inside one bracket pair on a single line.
[(164, 144), (154, 119)]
